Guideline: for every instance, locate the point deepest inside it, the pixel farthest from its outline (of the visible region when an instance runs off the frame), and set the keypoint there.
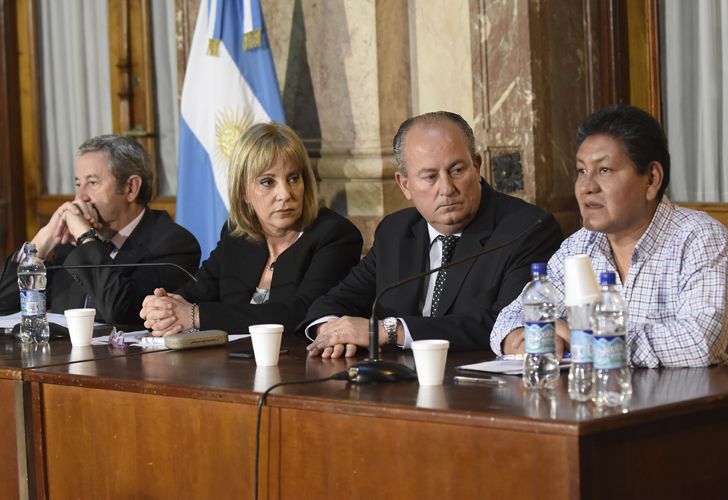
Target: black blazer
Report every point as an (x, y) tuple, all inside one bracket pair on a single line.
[(318, 260), (474, 292), (118, 293)]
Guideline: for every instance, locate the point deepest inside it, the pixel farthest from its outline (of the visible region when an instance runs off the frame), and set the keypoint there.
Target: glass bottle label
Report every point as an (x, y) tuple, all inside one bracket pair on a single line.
[(610, 352), (32, 302), (540, 337), (581, 346)]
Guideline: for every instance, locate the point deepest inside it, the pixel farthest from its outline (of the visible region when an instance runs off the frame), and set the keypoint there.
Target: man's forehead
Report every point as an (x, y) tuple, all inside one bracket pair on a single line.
[(438, 130), (95, 163), (599, 147), (433, 143)]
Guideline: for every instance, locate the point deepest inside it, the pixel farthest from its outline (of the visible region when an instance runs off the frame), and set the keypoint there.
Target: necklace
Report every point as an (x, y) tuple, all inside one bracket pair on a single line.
[(272, 265)]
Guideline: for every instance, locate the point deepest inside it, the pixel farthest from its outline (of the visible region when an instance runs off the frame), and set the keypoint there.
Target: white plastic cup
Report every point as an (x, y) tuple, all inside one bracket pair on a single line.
[(80, 326), (266, 343), (430, 358), (581, 283)]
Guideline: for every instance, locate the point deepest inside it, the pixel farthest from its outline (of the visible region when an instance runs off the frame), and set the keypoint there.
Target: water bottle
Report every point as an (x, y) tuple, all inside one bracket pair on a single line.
[(32, 284), (540, 366), (581, 320), (612, 377)]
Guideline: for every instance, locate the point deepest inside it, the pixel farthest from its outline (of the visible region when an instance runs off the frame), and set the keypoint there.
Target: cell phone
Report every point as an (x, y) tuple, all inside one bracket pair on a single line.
[(249, 354)]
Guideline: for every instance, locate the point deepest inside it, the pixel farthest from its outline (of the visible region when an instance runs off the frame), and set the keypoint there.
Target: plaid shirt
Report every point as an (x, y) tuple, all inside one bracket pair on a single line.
[(675, 288)]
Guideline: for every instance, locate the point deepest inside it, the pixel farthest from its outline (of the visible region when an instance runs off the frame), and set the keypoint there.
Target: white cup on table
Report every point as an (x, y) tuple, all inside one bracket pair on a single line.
[(266, 343), (430, 359), (80, 325)]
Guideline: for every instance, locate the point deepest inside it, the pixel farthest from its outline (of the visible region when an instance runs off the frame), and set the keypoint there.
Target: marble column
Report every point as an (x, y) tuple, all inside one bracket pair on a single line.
[(344, 76)]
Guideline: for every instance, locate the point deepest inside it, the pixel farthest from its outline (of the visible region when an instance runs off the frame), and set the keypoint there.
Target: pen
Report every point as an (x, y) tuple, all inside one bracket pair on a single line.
[(462, 379)]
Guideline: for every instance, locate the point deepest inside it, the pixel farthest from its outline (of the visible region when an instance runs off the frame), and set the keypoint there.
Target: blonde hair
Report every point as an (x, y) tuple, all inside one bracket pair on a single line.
[(255, 151)]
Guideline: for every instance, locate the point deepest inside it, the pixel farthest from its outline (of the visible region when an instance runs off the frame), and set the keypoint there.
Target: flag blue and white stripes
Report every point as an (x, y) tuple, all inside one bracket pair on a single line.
[(230, 83)]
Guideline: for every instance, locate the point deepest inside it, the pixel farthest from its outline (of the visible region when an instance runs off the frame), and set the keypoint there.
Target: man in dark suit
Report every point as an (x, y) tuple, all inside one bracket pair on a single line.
[(107, 222), (455, 214)]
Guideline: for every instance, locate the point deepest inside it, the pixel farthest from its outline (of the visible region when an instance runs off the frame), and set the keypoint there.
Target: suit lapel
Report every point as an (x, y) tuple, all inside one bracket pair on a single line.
[(474, 238), (412, 255), (135, 246), (256, 256)]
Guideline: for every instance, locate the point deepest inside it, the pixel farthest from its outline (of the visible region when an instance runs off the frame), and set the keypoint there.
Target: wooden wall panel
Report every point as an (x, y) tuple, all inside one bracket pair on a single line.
[(641, 458), (423, 459), (127, 463), (8, 451)]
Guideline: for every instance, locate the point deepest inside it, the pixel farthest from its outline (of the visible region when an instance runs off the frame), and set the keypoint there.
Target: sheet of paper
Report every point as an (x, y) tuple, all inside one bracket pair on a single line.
[(507, 365), (11, 320), (143, 339)]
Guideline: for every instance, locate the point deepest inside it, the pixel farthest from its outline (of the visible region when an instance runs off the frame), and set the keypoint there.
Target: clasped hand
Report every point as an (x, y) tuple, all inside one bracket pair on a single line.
[(340, 336), (68, 222), (166, 313)]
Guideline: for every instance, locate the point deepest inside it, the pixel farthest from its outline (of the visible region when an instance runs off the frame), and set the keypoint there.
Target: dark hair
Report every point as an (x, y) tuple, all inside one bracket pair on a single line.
[(641, 135), (126, 158), (399, 138)]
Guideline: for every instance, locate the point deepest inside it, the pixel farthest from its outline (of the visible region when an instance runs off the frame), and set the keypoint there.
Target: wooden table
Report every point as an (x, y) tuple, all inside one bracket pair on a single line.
[(16, 478), (182, 425)]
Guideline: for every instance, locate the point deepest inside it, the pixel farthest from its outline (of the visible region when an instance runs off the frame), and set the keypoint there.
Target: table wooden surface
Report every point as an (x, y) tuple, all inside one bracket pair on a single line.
[(15, 359), (182, 425)]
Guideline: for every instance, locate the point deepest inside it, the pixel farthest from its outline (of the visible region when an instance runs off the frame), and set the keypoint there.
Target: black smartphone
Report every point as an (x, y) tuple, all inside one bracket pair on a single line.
[(248, 353)]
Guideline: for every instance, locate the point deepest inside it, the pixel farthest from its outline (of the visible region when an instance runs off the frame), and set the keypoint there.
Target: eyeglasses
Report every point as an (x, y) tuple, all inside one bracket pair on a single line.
[(116, 339)]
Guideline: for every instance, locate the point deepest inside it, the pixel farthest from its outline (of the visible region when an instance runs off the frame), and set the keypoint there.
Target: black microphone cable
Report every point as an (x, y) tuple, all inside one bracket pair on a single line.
[(336, 376)]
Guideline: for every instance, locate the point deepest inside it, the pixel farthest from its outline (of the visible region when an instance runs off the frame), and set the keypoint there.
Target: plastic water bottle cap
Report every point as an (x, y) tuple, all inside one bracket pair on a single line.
[(607, 278), (538, 269)]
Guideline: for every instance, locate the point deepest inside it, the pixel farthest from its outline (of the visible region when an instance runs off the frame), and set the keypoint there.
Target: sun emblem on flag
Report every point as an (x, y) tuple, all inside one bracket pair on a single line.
[(230, 124)]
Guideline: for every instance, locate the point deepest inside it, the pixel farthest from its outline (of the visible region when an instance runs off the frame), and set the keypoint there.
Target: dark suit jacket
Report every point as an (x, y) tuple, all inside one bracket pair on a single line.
[(474, 292), (318, 260), (119, 292)]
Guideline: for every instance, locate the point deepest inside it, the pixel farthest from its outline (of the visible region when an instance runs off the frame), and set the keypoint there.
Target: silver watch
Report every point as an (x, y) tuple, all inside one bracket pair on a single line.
[(390, 326)]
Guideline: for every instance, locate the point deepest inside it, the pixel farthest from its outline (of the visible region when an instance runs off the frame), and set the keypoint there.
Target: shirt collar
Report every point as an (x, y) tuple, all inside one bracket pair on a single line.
[(123, 234), (434, 233), (650, 240)]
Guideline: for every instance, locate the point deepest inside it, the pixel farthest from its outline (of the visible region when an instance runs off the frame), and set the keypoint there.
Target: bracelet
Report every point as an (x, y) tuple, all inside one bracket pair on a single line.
[(192, 325)]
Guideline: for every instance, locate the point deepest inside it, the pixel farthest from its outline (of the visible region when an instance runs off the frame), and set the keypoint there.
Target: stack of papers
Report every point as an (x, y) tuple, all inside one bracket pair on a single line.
[(11, 320), (143, 338), (507, 365)]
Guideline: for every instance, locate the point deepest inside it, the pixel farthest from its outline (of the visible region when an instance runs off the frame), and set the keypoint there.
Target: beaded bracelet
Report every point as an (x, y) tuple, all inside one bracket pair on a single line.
[(192, 325)]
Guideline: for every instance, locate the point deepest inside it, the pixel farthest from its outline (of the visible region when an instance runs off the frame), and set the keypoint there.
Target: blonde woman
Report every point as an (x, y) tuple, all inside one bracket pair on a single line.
[(279, 250)]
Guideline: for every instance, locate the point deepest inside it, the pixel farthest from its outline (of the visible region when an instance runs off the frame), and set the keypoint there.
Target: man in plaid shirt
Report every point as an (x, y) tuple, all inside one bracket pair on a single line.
[(671, 262)]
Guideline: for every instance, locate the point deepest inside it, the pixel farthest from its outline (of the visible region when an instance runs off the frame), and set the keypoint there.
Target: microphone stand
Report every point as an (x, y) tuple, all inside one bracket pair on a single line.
[(374, 369)]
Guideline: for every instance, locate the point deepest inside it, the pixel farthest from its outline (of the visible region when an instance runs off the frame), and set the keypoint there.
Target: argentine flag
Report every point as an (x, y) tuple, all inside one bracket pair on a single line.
[(230, 84)]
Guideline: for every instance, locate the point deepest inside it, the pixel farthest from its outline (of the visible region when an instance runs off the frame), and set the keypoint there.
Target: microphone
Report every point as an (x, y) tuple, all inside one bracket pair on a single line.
[(138, 264), (374, 369)]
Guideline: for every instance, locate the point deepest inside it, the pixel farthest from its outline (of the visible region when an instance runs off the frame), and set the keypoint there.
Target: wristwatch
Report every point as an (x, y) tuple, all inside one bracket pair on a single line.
[(90, 234), (390, 326)]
